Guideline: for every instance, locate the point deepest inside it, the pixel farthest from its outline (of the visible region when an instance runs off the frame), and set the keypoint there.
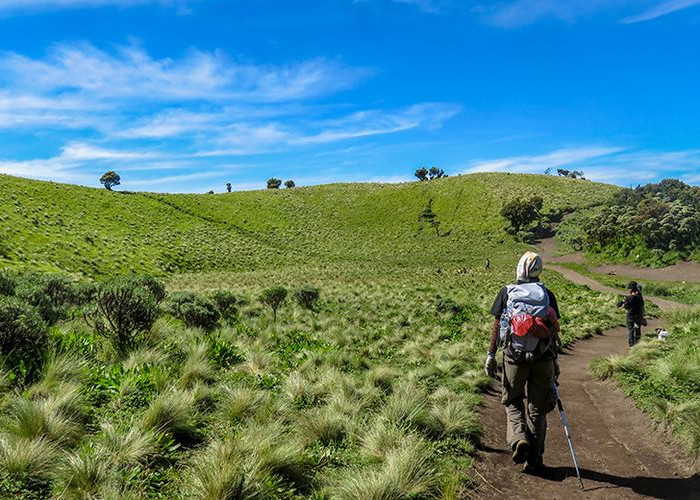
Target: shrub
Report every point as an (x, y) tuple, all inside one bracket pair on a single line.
[(521, 212), (60, 289), (8, 282), (274, 298), (35, 296), (196, 311), (85, 292), (23, 334), (274, 183), (226, 303), (153, 285), (122, 312), (307, 297)]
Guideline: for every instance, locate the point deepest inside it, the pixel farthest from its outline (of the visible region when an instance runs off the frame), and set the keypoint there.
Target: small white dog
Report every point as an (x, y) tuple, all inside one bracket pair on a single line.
[(661, 334)]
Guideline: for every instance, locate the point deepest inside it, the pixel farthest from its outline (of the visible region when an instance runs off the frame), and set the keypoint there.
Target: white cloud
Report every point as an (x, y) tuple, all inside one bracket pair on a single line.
[(538, 164), (614, 165), (84, 70), (517, 13), (24, 6), (663, 9), (369, 123)]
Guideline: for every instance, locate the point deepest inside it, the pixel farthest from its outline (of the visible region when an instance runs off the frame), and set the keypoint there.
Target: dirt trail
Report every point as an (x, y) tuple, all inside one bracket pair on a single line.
[(620, 452)]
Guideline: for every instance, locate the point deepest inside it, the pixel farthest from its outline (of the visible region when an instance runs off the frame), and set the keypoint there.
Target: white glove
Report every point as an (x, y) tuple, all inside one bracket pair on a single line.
[(491, 366)]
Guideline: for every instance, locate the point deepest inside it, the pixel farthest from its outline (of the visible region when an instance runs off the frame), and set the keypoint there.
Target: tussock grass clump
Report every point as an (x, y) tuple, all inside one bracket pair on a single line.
[(607, 367), (241, 403), (219, 473), (197, 367), (685, 417), (128, 446), (144, 358), (82, 474), (453, 418), (406, 405), (325, 425), (29, 462), (173, 413), (381, 438), (407, 472), (277, 452), (57, 419)]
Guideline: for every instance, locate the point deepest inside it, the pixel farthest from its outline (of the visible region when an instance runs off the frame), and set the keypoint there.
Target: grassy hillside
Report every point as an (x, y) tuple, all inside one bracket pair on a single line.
[(96, 232), (372, 394)]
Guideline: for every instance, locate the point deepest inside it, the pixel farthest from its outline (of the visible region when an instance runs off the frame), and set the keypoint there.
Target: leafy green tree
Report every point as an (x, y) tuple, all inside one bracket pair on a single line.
[(110, 179), (228, 187), (274, 297), (436, 173), (562, 172), (422, 174), (289, 184), (273, 183), (307, 297), (522, 212)]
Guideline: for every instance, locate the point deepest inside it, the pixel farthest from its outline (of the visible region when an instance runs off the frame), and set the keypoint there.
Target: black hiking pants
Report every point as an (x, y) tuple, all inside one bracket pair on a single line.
[(634, 332)]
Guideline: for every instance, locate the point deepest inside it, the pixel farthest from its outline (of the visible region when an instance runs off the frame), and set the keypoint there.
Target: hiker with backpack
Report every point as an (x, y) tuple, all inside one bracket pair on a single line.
[(526, 326), (634, 304)]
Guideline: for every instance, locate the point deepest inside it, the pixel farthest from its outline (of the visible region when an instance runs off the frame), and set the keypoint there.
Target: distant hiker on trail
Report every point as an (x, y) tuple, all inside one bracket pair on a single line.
[(634, 304), (527, 323)]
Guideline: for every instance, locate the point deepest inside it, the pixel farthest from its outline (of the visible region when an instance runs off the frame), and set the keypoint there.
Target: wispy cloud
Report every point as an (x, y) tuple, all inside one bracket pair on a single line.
[(126, 109), (615, 165), (29, 6), (539, 163), (82, 69), (663, 9)]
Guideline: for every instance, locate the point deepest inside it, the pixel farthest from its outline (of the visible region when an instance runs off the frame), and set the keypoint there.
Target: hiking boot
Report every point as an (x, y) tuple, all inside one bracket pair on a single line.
[(534, 467), (520, 451)]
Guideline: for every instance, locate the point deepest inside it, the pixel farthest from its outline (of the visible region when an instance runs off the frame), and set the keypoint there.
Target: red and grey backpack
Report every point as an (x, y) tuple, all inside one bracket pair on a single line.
[(528, 318)]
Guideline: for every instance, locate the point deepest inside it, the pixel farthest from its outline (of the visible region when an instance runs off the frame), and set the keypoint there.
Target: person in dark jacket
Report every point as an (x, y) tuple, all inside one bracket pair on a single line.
[(634, 304)]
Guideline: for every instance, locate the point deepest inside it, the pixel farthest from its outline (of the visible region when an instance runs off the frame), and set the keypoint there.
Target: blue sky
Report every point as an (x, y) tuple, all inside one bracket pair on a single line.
[(186, 95)]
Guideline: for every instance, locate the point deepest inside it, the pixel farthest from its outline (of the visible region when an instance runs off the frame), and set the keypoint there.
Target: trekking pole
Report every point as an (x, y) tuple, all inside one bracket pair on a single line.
[(568, 435)]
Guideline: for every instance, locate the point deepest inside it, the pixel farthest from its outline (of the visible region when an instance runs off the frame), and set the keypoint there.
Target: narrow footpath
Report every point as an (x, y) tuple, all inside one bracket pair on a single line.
[(620, 451)]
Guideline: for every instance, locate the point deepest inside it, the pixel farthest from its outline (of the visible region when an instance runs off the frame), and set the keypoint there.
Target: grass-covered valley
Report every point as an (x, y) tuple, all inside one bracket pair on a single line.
[(321, 342)]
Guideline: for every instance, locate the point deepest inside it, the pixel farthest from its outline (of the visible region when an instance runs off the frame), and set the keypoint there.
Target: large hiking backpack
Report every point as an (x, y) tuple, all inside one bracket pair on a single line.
[(528, 321)]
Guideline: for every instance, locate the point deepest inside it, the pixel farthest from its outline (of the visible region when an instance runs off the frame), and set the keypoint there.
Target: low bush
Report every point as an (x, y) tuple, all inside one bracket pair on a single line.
[(196, 311), (34, 295), (226, 303), (307, 297), (23, 335), (122, 312)]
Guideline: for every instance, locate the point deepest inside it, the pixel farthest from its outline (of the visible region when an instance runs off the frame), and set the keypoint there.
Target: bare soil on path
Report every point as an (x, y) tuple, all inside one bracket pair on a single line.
[(620, 451)]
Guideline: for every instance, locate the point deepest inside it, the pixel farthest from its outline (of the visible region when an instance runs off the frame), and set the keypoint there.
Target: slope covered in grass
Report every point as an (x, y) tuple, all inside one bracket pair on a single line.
[(96, 232)]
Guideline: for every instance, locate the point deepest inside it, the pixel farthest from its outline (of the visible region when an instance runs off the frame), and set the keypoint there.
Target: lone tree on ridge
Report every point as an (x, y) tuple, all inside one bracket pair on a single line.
[(110, 179), (273, 183)]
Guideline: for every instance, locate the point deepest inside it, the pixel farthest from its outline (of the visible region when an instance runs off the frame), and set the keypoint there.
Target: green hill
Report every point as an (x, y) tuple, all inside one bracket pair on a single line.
[(96, 232), (371, 393)]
